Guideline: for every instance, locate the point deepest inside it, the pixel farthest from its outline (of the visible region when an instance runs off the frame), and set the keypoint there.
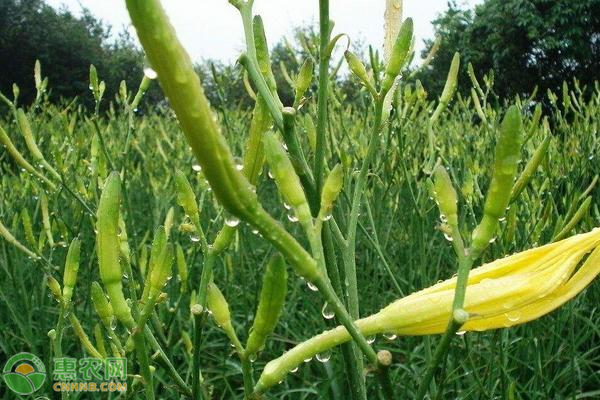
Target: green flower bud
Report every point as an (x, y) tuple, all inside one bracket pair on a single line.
[(101, 305), (186, 198), (71, 269), (399, 55), (303, 81), (508, 149), (218, 306), (449, 88), (286, 178), (270, 305), (108, 244), (530, 168), (182, 269), (358, 69), (331, 190), (54, 287), (262, 53), (27, 228), (445, 195), (161, 260)]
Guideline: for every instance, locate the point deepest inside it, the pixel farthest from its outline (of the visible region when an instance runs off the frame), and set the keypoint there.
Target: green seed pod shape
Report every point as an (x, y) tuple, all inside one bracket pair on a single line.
[(270, 305), (54, 287), (358, 68), (285, 176), (445, 195), (158, 254), (108, 244), (399, 55), (71, 269), (182, 269), (218, 306), (182, 87), (93, 79), (124, 250), (186, 197), (331, 189), (451, 80), (27, 227), (101, 305), (530, 168), (303, 80), (254, 156), (262, 53), (508, 149), (46, 219)]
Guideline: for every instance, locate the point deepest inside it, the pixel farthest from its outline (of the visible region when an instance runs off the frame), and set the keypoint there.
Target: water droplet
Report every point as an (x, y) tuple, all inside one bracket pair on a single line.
[(239, 167), (448, 237), (461, 333), (492, 240), (513, 316), (307, 359), (196, 167), (292, 218), (255, 231), (390, 336), (312, 286), (194, 238), (232, 222), (443, 218), (252, 358), (150, 73), (327, 311), (324, 356), (326, 217), (287, 206), (293, 370), (271, 175), (371, 339), (113, 324)]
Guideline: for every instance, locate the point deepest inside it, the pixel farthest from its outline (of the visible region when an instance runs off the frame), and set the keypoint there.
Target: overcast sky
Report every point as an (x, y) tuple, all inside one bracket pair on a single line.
[(212, 29)]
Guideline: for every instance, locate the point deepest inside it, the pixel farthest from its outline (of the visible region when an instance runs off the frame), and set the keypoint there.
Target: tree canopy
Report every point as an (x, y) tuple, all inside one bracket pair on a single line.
[(527, 43)]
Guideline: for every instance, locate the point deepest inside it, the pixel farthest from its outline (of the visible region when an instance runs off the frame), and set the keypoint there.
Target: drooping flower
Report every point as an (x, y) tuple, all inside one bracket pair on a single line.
[(503, 293)]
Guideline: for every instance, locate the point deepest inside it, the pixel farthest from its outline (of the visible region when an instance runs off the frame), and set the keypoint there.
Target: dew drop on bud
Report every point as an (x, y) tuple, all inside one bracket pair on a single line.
[(312, 286), (390, 336), (324, 356), (232, 222), (327, 311), (461, 333), (196, 168)]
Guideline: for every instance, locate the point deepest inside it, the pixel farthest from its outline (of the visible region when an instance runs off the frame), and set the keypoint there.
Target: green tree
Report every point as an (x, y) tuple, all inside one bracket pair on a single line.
[(527, 43)]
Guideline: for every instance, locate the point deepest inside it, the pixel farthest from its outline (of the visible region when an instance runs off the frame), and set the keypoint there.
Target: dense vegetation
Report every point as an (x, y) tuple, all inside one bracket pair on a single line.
[(124, 190)]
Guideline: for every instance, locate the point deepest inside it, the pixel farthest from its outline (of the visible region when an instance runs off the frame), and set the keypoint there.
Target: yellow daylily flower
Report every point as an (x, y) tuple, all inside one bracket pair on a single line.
[(503, 293)]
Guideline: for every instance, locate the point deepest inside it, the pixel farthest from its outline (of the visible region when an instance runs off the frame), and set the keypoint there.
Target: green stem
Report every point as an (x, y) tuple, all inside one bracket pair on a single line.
[(247, 375), (199, 320), (322, 96)]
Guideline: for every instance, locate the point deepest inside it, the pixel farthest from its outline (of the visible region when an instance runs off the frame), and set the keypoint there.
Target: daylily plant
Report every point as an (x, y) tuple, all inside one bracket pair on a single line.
[(504, 293)]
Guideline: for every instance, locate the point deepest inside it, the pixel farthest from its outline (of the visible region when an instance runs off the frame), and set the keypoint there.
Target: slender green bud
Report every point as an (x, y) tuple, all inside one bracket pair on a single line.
[(530, 168), (108, 244), (27, 227), (71, 268), (399, 55), (506, 160), (331, 190), (358, 68), (143, 260), (270, 305), (54, 287), (262, 53), (286, 178), (449, 88), (93, 79), (579, 214), (20, 160), (182, 269), (169, 221), (5, 233), (46, 219), (101, 305), (303, 81), (254, 156), (218, 306), (445, 194), (186, 198), (161, 261), (99, 339)]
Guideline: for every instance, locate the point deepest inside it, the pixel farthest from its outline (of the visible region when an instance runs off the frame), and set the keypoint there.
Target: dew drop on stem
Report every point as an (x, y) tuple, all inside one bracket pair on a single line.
[(327, 311), (312, 286), (324, 356)]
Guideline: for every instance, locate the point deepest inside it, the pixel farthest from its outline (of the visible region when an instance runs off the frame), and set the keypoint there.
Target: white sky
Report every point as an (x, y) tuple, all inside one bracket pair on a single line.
[(212, 28)]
